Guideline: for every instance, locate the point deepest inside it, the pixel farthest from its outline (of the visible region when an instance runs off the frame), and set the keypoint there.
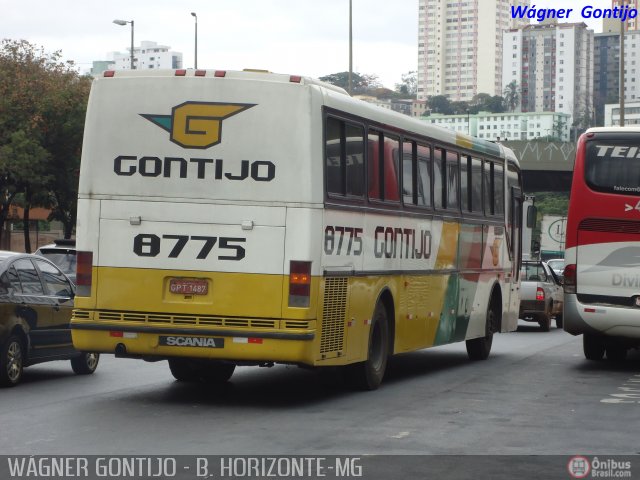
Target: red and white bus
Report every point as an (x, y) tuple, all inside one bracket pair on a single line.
[(602, 273)]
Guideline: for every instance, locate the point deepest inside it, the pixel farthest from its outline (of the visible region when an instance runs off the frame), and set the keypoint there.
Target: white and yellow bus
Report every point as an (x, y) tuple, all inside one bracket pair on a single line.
[(246, 218)]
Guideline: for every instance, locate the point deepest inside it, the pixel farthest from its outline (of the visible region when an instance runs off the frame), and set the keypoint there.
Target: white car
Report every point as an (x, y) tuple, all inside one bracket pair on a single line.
[(557, 265), (63, 254)]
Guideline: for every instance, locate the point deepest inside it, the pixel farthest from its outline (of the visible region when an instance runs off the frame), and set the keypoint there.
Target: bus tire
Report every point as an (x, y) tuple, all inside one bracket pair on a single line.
[(184, 370), (593, 347), (368, 375), (11, 361), (479, 348), (215, 371), (616, 352), (85, 363)]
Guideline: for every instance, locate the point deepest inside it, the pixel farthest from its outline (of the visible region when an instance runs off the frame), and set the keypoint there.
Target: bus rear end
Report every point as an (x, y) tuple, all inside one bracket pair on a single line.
[(602, 273), (196, 216)]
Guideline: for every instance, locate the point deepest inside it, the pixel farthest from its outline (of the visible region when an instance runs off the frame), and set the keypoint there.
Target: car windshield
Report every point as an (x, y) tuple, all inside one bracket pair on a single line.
[(556, 264)]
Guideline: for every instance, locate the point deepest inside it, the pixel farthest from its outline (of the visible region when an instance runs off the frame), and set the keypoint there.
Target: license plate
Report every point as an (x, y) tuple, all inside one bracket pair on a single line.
[(184, 286)]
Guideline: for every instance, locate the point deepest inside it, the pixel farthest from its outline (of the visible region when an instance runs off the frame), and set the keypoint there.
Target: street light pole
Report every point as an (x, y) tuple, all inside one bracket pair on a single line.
[(350, 48), (124, 22), (193, 14)]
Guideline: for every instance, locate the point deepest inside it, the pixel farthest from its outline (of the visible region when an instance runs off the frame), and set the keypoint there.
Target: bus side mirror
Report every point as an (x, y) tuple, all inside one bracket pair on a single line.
[(532, 213)]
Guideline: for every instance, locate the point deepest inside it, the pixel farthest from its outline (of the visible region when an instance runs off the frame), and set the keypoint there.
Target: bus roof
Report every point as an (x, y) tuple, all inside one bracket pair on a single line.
[(613, 130)]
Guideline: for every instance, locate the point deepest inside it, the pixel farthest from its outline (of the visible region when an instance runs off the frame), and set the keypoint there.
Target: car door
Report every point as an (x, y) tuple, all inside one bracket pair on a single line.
[(35, 308), (59, 291)]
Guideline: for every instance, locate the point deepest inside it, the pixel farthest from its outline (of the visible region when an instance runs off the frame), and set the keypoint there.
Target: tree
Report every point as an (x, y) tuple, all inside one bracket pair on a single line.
[(409, 84), (558, 128), (512, 96), (361, 83), (439, 104), (479, 103), (42, 106)]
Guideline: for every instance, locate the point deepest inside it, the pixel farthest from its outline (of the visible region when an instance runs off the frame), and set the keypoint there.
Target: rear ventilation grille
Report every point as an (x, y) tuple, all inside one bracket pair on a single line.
[(609, 225), (333, 315)]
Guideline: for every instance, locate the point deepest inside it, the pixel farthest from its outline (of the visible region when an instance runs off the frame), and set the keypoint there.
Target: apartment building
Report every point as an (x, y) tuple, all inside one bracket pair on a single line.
[(552, 64), (460, 46)]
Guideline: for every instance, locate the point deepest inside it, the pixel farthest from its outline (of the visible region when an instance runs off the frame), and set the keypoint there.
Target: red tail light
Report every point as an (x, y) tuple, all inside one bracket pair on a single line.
[(540, 294), (570, 280), (84, 277), (299, 283)]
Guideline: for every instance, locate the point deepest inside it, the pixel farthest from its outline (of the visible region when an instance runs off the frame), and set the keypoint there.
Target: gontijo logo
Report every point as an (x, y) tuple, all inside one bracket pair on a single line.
[(196, 124)]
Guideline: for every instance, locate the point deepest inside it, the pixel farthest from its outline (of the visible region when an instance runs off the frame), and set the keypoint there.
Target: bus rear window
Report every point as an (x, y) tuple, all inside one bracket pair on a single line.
[(613, 167)]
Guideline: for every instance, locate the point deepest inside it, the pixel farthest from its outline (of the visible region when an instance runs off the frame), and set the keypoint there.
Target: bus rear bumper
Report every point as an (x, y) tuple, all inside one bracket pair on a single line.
[(164, 342), (580, 318)]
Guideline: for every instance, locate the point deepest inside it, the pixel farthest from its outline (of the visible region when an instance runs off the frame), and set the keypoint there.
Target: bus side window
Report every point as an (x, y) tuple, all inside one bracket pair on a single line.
[(424, 176), (344, 158), (464, 183), (452, 173), (408, 173), (438, 184), (373, 165), (334, 172), (391, 169), (488, 188), (384, 181), (498, 189), (355, 160), (476, 185)]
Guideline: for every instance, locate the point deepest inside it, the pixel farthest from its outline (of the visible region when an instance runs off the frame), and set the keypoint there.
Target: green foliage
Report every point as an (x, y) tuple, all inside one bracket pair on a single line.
[(552, 203), (408, 86), (42, 108), (482, 102), (362, 84)]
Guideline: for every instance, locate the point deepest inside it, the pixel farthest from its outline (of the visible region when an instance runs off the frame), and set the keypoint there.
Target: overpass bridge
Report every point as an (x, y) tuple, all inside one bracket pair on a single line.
[(546, 166)]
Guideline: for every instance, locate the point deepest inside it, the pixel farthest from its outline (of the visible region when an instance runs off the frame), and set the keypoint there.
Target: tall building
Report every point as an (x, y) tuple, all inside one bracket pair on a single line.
[(607, 71), (612, 25), (148, 55), (460, 46), (552, 64)]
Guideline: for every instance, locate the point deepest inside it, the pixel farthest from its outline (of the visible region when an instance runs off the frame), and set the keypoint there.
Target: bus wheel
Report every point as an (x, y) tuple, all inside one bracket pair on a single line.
[(479, 348), (368, 375), (616, 352), (216, 372), (593, 347), (184, 370)]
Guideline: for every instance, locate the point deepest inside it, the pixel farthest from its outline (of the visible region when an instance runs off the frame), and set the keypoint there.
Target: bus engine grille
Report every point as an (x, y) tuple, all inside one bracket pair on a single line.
[(333, 315)]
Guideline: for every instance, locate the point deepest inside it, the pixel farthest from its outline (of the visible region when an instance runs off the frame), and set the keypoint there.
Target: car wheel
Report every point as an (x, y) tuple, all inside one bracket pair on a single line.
[(85, 363), (559, 322), (368, 375), (11, 361), (545, 322), (593, 347)]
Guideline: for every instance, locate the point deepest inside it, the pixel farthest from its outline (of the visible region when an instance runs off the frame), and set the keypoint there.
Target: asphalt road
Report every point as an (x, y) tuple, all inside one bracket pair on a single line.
[(535, 395)]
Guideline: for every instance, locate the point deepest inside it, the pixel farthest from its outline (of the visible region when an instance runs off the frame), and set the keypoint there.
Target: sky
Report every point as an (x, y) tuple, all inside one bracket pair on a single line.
[(303, 37)]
